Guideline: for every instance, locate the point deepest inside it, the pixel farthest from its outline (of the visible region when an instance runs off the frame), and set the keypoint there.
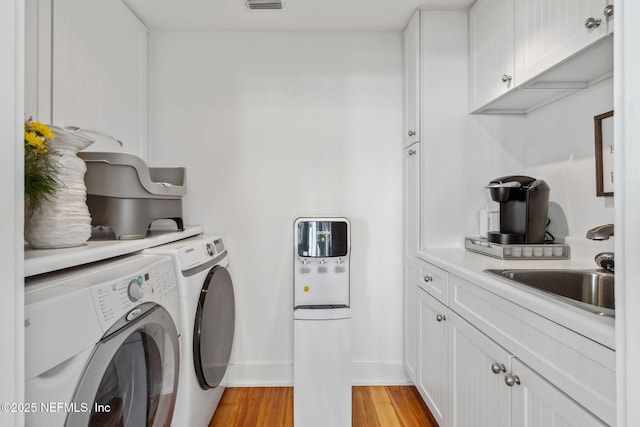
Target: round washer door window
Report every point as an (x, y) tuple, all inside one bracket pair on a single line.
[(213, 329), (131, 377)]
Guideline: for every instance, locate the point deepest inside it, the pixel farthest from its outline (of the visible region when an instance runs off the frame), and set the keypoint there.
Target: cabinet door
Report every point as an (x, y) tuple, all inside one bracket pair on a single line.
[(412, 81), (537, 403), (479, 395), (608, 13), (410, 338), (433, 363), (548, 32), (99, 72), (411, 239), (411, 196), (490, 51)]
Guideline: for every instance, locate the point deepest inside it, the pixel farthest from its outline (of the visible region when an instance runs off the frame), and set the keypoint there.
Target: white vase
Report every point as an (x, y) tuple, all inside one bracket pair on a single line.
[(63, 220)]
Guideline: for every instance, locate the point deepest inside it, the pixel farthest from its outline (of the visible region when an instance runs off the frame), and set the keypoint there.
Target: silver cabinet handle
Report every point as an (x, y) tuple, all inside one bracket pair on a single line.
[(592, 23), (608, 11), (440, 317), (412, 152), (506, 78), (411, 133), (428, 279), (496, 368), (511, 380)]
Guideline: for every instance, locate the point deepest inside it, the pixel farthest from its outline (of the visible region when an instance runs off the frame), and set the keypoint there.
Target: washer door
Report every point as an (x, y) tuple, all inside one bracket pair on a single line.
[(213, 329), (131, 377)]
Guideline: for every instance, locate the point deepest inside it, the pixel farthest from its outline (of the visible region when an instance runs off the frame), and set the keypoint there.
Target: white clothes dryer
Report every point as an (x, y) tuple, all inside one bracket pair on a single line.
[(102, 344), (207, 306)]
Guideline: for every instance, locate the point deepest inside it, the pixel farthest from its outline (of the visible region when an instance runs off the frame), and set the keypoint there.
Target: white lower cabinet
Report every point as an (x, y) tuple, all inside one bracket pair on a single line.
[(410, 341), (433, 364), (411, 244), (479, 395), (537, 403), (468, 375)]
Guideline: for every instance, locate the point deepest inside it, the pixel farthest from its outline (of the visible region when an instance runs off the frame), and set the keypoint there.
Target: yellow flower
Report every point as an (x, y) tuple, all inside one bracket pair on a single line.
[(39, 129), (42, 130), (35, 141), (40, 174)]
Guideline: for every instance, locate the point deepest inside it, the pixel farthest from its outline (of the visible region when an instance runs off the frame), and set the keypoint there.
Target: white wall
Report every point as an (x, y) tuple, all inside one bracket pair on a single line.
[(11, 215), (272, 126), (463, 152), (87, 67), (559, 142)]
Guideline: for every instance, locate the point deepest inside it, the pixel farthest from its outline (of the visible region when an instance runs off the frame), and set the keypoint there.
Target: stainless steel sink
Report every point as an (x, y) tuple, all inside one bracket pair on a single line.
[(589, 289)]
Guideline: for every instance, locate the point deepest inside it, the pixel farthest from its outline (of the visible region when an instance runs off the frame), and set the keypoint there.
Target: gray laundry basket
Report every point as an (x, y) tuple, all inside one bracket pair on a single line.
[(126, 195)]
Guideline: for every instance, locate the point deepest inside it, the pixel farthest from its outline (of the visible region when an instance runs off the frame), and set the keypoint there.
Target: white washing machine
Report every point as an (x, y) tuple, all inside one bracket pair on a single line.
[(207, 306), (102, 345)]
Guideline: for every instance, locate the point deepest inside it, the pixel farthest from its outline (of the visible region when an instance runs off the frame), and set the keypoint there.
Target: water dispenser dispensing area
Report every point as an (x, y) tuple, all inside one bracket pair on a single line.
[(322, 263), (322, 323)]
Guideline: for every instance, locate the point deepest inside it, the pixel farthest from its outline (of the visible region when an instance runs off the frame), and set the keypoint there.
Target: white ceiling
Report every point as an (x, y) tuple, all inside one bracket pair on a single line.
[(296, 15)]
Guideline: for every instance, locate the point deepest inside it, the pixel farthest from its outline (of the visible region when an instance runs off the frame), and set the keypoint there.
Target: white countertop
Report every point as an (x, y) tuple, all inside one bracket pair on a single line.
[(470, 266), (39, 261)]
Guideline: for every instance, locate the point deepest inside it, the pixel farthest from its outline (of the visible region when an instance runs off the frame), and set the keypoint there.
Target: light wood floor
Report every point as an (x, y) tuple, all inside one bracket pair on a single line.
[(273, 407)]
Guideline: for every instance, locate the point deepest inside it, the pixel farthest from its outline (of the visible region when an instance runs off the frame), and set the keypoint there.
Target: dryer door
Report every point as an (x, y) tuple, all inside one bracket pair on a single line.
[(132, 375), (213, 329)]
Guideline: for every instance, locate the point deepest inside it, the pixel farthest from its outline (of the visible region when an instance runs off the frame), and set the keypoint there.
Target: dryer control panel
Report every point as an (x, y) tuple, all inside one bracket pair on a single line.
[(198, 252)]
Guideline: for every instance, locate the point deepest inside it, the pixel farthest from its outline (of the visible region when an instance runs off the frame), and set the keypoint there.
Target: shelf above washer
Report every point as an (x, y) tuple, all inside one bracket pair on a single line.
[(40, 261)]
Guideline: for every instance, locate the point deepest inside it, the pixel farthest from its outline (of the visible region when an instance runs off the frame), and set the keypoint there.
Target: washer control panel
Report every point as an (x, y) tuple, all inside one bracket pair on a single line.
[(136, 291), (113, 299)]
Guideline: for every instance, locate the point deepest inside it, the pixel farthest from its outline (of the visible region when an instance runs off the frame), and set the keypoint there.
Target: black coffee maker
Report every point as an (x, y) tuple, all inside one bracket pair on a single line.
[(524, 203)]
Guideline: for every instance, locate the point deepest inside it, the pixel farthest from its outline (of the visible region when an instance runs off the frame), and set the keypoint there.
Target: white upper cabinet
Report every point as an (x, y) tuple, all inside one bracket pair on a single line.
[(547, 33), (100, 72), (412, 81), (90, 70), (525, 54), (491, 51)]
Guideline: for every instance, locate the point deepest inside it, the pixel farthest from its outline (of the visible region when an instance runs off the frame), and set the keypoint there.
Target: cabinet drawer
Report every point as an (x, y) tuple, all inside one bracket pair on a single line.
[(581, 368), (434, 280)]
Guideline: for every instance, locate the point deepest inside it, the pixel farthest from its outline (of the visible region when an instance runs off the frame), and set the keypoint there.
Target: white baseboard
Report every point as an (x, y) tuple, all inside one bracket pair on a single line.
[(281, 374), (369, 373), (259, 375)]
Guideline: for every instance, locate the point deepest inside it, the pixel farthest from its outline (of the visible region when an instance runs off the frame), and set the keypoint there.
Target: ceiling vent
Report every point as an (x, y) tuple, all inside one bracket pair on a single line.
[(263, 4)]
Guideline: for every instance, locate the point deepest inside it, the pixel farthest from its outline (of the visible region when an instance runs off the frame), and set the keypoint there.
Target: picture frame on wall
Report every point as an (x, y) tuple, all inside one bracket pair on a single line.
[(603, 124)]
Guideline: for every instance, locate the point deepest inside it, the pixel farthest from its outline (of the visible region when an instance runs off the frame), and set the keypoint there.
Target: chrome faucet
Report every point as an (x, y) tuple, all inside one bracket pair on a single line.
[(603, 232), (605, 260)]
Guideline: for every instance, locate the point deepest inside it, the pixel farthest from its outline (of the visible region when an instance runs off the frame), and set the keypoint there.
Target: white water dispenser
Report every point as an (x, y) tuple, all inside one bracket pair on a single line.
[(321, 323)]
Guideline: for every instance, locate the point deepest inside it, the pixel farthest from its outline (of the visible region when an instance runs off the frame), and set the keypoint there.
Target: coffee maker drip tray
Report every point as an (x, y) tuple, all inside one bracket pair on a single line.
[(517, 251)]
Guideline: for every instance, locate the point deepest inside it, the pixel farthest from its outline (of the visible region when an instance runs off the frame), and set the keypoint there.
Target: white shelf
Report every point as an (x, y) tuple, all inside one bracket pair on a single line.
[(39, 261)]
